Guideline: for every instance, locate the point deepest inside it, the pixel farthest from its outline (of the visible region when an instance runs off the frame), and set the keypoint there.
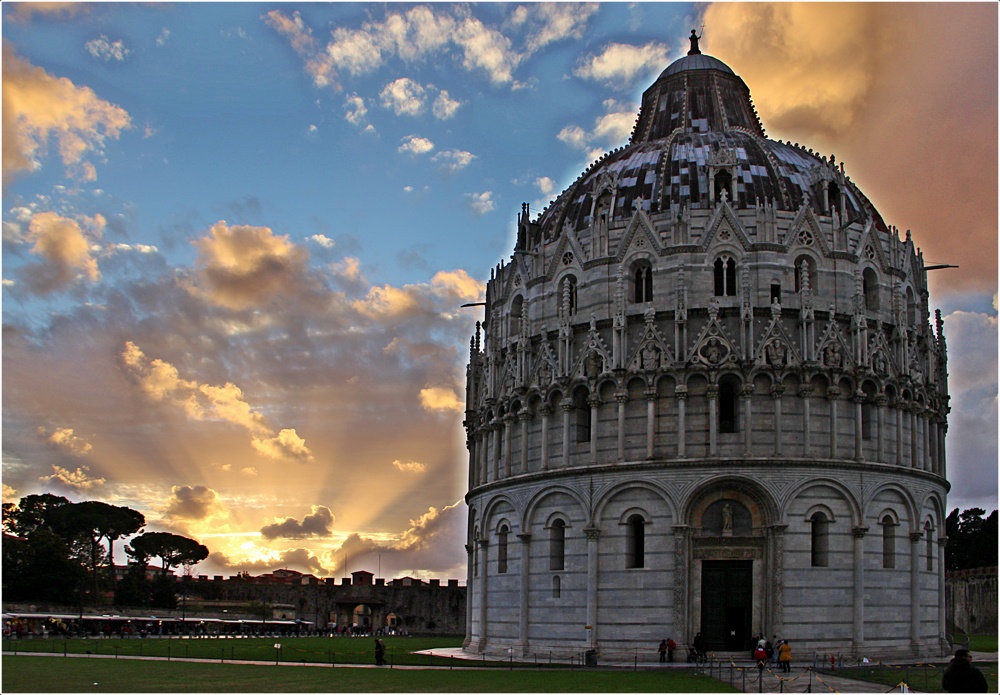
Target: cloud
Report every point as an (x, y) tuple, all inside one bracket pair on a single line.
[(164, 36), (64, 438), (557, 21), (444, 106), (619, 64), (481, 203), (319, 522), (194, 503), (453, 161), (66, 248), (286, 446), (405, 97), (241, 267), (415, 145), (38, 107), (610, 130), (78, 480), (25, 11), (441, 399), (356, 110), (161, 381), (416, 35), (545, 185), (409, 466), (104, 49)]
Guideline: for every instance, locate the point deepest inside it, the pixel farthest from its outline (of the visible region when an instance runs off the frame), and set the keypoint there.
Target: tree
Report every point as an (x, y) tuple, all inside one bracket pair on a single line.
[(972, 540), (31, 513), (95, 522), (41, 568), (173, 550)]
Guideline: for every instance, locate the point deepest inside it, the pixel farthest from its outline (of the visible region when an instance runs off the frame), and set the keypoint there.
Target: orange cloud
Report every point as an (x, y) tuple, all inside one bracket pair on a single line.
[(64, 438), (441, 399), (161, 381), (904, 93), (77, 480), (66, 249), (37, 106), (240, 267)]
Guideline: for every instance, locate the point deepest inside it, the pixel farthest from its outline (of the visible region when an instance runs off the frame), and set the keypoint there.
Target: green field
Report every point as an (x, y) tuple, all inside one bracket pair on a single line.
[(34, 674), (311, 650), (925, 678)]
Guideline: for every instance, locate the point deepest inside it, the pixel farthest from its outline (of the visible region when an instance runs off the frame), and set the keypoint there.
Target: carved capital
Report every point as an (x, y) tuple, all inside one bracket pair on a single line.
[(621, 397), (916, 536), (524, 538), (592, 533), (859, 531)]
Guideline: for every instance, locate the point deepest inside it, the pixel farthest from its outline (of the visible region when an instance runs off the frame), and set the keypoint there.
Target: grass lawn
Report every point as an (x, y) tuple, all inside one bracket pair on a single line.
[(983, 643), (314, 650), (923, 678), (81, 675)]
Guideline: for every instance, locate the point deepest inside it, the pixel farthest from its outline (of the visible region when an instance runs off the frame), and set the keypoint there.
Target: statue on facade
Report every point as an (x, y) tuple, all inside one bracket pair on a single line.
[(694, 44)]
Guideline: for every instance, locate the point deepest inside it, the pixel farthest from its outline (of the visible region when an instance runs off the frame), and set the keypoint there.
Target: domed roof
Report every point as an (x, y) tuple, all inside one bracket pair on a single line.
[(696, 119), (697, 61)]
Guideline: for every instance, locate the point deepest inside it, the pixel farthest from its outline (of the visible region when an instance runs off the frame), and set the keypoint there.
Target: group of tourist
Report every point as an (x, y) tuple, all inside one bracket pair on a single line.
[(776, 651)]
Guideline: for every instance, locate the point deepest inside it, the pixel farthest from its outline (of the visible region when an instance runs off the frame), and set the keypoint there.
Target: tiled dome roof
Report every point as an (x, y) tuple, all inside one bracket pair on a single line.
[(699, 109)]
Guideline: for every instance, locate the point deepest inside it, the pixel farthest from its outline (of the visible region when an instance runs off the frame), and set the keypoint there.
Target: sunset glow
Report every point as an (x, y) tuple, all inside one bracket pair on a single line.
[(238, 236)]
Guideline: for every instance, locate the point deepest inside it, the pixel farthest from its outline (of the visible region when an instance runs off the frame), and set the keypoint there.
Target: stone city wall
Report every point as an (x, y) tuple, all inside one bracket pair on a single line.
[(971, 599)]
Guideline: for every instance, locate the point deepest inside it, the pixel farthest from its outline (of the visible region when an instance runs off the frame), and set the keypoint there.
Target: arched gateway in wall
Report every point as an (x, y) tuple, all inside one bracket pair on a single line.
[(707, 396)]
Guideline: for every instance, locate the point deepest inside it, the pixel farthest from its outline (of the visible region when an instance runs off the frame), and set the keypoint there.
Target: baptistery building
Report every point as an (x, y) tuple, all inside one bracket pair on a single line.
[(707, 397)]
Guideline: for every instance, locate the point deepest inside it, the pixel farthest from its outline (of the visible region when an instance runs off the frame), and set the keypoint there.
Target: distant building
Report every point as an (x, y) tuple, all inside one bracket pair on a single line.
[(707, 396)]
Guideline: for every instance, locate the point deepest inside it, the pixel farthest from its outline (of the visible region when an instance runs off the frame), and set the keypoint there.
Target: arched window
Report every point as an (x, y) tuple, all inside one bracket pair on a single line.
[(929, 539), (567, 295), (725, 277), (867, 410), (557, 545), (728, 405), (888, 542), (833, 196), (911, 307), (723, 182), (475, 553), (582, 409), (869, 282), (642, 283), (820, 540), (635, 542), (556, 586), (502, 549)]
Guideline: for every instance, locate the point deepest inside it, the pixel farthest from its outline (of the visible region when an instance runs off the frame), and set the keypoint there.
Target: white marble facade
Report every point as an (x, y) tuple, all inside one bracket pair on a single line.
[(691, 410)]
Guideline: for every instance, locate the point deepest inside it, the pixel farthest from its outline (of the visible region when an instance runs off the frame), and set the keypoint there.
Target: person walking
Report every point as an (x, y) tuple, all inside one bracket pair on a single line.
[(379, 653), (961, 676), (785, 656), (671, 646), (663, 651)]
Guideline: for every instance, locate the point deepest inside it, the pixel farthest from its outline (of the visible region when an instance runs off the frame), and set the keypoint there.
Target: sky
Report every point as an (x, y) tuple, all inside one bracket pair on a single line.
[(237, 237)]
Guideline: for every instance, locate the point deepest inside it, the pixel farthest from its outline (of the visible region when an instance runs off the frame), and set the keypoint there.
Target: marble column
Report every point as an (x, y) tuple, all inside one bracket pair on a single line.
[(942, 614), (914, 458), (525, 417), (593, 534), (567, 409), (650, 423), (833, 395), (747, 417), (880, 402), (915, 591), (897, 411), (776, 392), (712, 393), (469, 565), (508, 438), (859, 440), (622, 399), (546, 411), (806, 393), (859, 589), (483, 598), (595, 403), (681, 592), (681, 393), (523, 615), (497, 429)]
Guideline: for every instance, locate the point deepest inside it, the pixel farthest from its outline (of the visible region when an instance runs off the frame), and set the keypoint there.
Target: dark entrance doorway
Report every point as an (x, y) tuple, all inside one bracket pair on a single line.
[(726, 599)]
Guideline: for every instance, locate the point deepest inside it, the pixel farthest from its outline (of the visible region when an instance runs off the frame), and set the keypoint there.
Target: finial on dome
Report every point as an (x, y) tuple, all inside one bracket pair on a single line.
[(694, 44)]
